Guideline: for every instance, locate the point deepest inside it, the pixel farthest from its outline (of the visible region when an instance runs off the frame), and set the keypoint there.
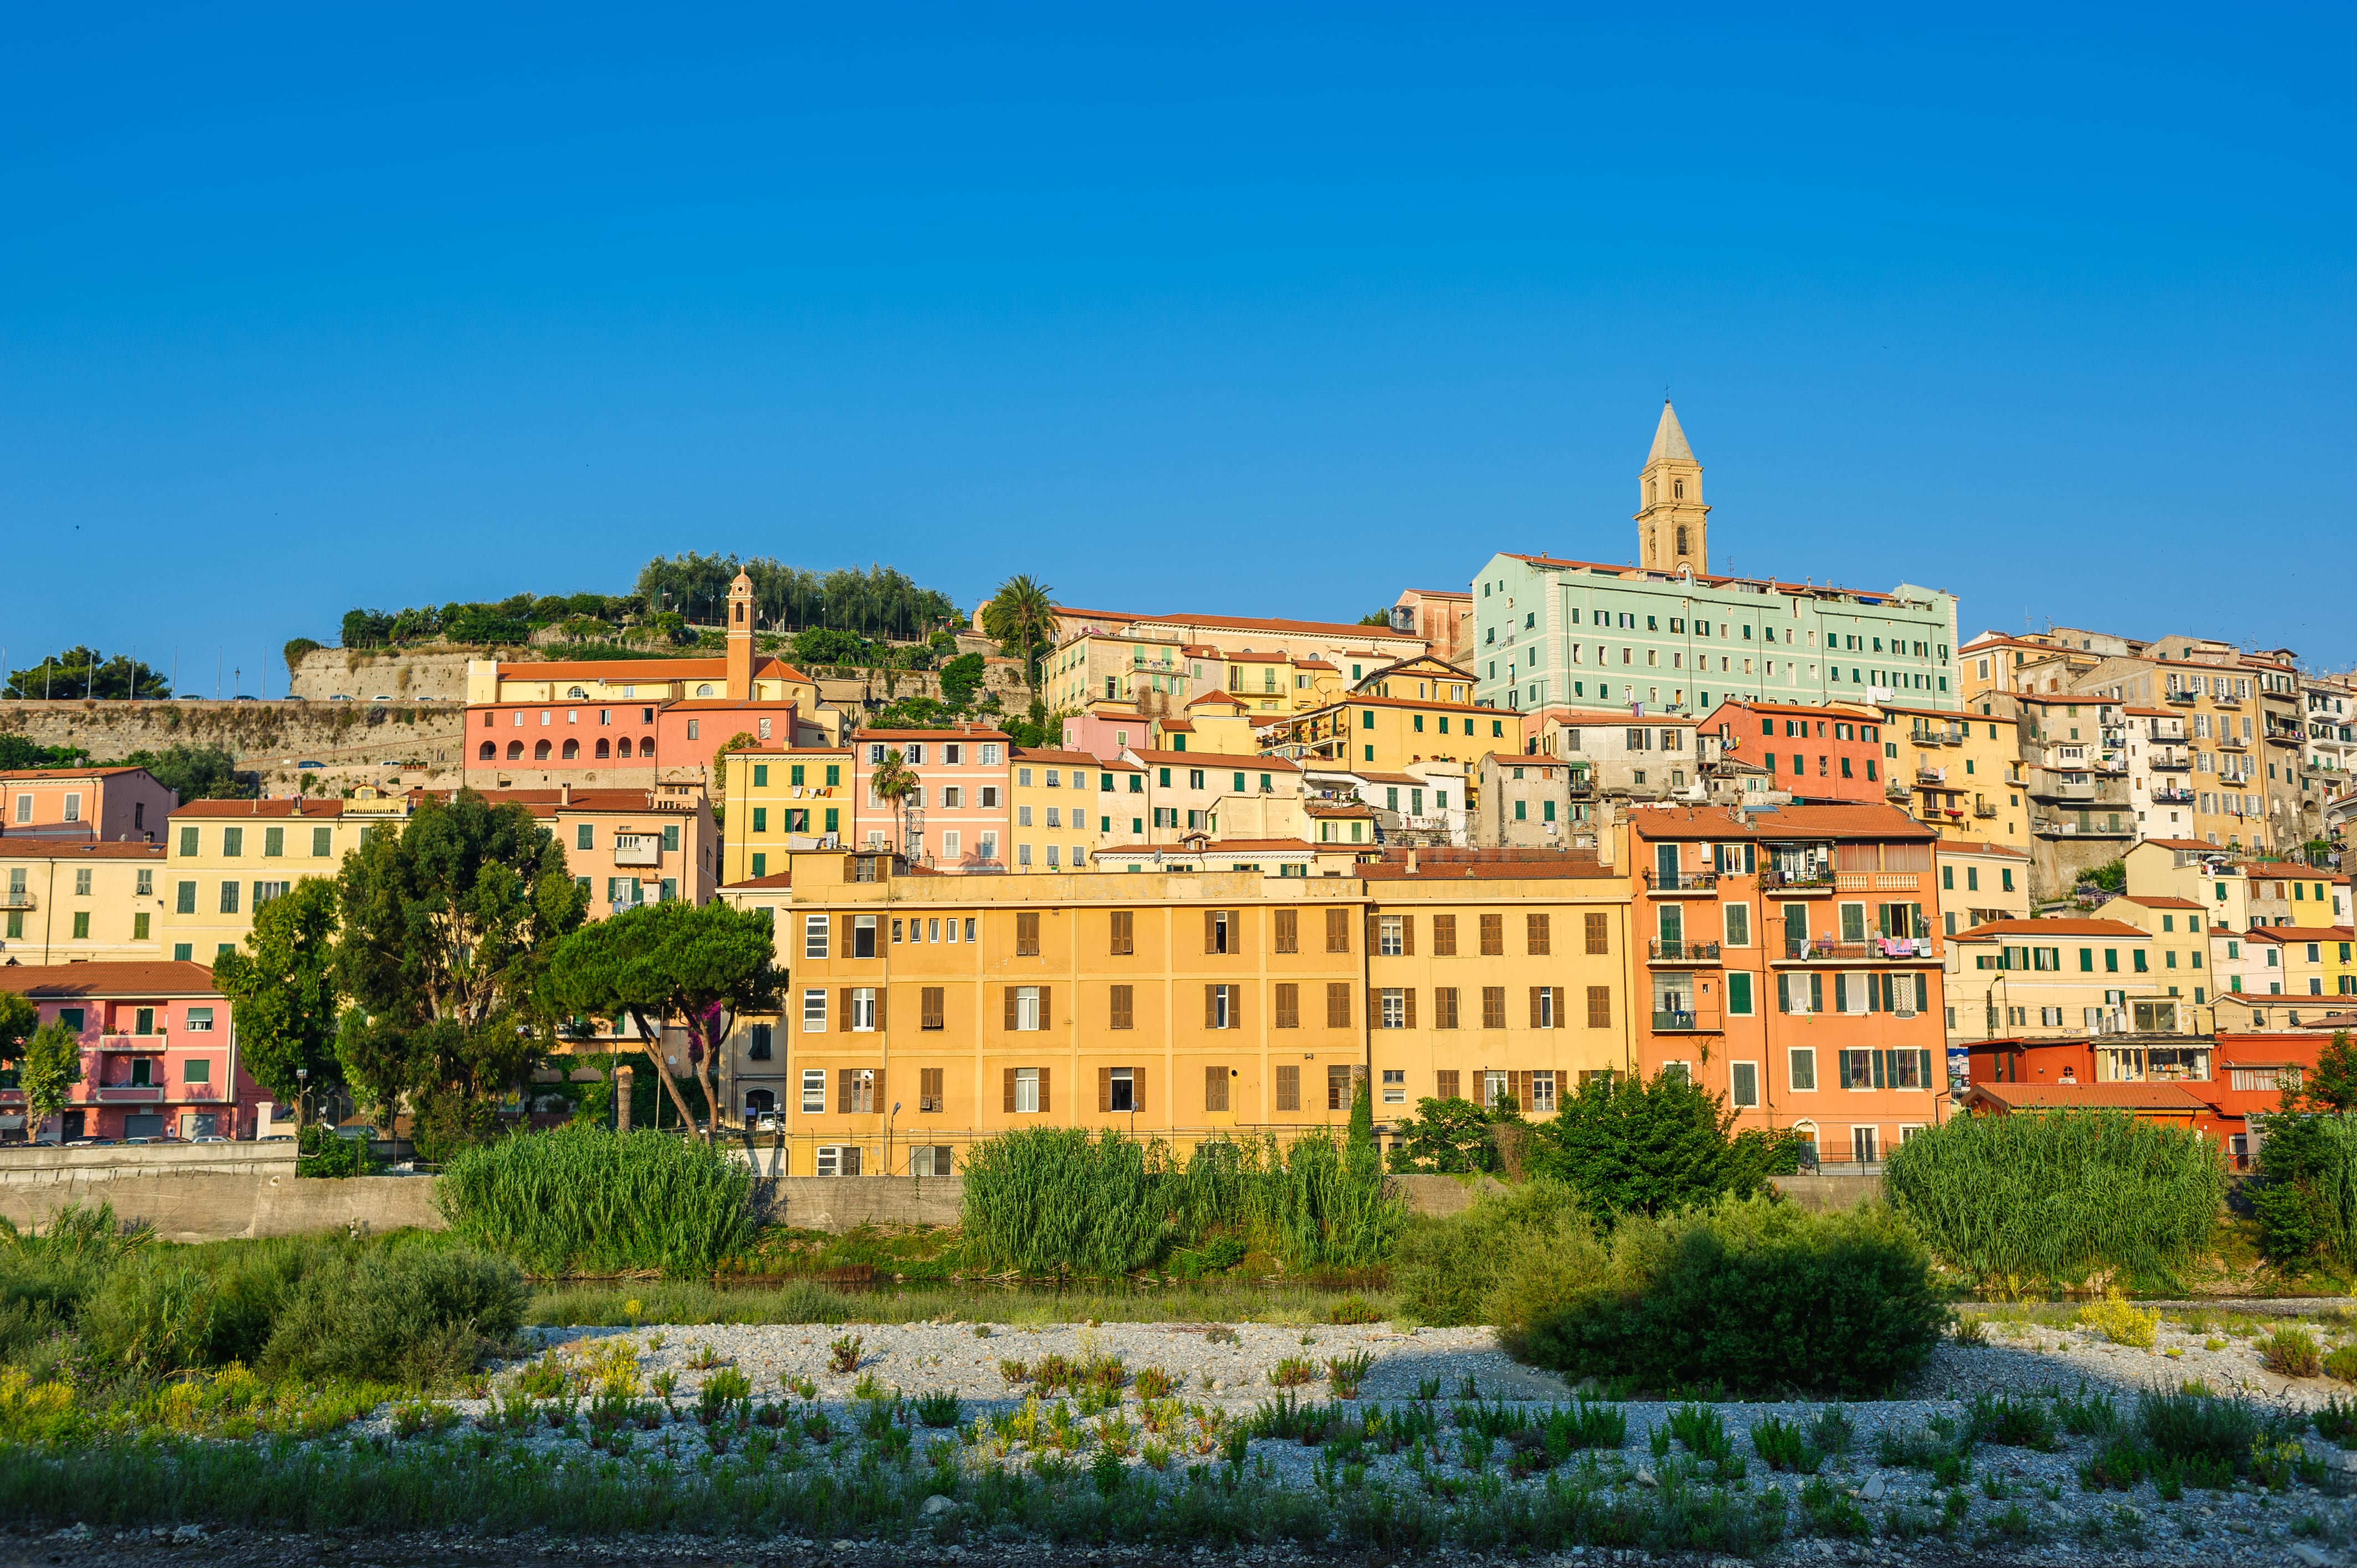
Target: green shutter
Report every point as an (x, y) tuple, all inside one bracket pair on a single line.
[(1816, 993), (1783, 993), (1878, 1057)]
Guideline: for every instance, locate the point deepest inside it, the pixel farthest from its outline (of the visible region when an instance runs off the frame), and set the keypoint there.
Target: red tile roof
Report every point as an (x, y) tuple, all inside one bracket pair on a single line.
[(2087, 1096), (20, 848), (1072, 758), (867, 734), (67, 773), (1977, 846), (1247, 761), (2298, 934), (2052, 929), (775, 879), (2150, 903), (321, 809), (109, 979), (612, 671)]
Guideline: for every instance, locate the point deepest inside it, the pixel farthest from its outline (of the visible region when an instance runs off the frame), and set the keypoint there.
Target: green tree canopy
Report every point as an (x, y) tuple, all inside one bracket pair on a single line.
[(694, 966), (15, 751), (445, 926), (197, 772), (1655, 1146), (282, 988), (960, 678), (52, 1066), (1022, 617), (1445, 1137), (80, 672)]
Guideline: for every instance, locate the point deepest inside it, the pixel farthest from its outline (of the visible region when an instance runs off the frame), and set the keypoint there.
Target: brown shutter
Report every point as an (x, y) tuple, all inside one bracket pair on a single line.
[(1122, 1015), (1407, 936), (881, 994), (1493, 1006), (1104, 1089), (1337, 1005), (845, 1013), (1288, 932), (843, 1090), (1493, 935), (1599, 938), (1559, 1006), (1043, 1071), (1045, 1022), (1137, 1088), (1522, 1093), (1375, 1008), (1537, 935), (930, 1006), (1288, 1089), (1374, 933), (1444, 936), (1009, 1106), (1337, 930), (1408, 996), (1535, 992), (1125, 936), (1444, 1084), (1236, 1006), (1210, 929), (1599, 1007), (1444, 1007), (1009, 993), (1211, 1006), (879, 1103)]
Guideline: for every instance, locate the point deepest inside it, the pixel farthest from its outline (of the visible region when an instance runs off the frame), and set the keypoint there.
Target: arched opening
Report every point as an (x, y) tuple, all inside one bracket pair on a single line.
[(571, 750), (646, 745), (1808, 1131), (575, 693), (705, 689), (1681, 539), (605, 749), (515, 751), (1678, 488), (540, 752), (490, 751), (626, 747)]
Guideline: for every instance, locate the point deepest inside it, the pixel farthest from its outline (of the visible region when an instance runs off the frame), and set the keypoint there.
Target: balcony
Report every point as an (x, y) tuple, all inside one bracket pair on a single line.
[(1878, 881), (2171, 762), (1683, 1023), (1826, 950), (1938, 775), (1897, 793), (2284, 736), (1680, 881), (1682, 952), (2225, 701), (1808, 881), (1982, 809), (128, 1093), (2180, 699), (2172, 797), (156, 1042), (15, 899), (2232, 743), (2090, 828)]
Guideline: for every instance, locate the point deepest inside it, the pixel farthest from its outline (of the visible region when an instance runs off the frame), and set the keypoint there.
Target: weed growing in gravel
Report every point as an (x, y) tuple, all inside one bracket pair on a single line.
[(1832, 1430), (1219, 1334), (1156, 1382), (1785, 1446), (1347, 1373), (2119, 1322), (2336, 1421), (2292, 1353), (2086, 1414), (2009, 1423), (843, 1355), (1293, 1371), (1829, 1512), (704, 1358)]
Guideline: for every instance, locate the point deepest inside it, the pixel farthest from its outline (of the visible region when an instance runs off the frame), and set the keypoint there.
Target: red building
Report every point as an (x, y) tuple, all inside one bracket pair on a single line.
[(1819, 753), (159, 1054)]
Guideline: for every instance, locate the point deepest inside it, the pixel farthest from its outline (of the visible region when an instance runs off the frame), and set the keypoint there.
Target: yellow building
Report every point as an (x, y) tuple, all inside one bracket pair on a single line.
[(2296, 961), (927, 1012), (775, 801), (1389, 733), (1958, 774), (66, 900), (228, 858), (1066, 805), (2180, 928), (2050, 978), (1980, 882)]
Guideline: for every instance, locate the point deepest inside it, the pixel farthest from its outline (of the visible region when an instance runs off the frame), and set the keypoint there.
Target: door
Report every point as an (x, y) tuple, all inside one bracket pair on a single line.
[(74, 1122), (142, 1125), (1673, 930), (1796, 929), (1665, 865)]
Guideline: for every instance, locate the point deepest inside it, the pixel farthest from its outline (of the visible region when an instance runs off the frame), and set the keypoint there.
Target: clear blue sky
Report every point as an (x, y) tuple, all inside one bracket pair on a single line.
[(1263, 309)]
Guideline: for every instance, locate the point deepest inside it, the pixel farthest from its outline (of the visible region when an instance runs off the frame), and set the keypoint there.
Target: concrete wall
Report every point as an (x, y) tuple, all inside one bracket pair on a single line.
[(1824, 1194), (360, 742), (219, 1205), (403, 675), (845, 1203)]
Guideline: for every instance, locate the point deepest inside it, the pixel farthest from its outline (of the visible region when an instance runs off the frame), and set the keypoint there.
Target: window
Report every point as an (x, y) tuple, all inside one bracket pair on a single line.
[(815, 934), (322, 840), (1026, 934), (815, 1088), (1547, 1007), (1391, 938), (1735, 920), (1289, 1005), (1117, 1090), (1493, 935), (1337, 1006), (1743, 1084), (1739, 993), (1394, 1086), (1125, 938), (814, 1011), (228, 899), (1222, 930), (1598, 928), (1599, 1007), (201, 1020), (1339, 1082), (837, 1160), (1222, 1007), (1026, 1091)]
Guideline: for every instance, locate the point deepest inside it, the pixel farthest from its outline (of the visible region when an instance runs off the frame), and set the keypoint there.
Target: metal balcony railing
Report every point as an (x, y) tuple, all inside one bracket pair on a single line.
[(1797, 880), (1983, 809), (1675, 1022), (156, 1042), (1682, 881), (2182, 699), (1697, 953)]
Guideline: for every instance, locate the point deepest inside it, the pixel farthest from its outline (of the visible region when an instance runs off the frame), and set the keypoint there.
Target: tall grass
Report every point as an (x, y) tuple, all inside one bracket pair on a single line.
[(2026, 1201), (579, 1199), (1055, 1201)]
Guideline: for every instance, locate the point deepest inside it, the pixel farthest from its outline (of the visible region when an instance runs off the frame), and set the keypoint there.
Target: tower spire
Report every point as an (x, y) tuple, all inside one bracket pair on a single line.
[(1673, 523)]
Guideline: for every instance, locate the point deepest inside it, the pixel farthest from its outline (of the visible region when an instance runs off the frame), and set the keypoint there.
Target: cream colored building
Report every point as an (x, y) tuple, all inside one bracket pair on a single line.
[(1959, 774), (228, 858), (71, 901)]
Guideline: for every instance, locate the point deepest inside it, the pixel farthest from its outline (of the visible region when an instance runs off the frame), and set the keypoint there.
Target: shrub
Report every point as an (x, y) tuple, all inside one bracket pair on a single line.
[(406, 1315), (583, 1199), (2192, 1426), (2025, 1200), (2291, 1353), (2010, 1422), (1633, 1146), (1756, 1295), (2121, 1323), (1513, 1257), (1785, 1446), (2342, 1364)]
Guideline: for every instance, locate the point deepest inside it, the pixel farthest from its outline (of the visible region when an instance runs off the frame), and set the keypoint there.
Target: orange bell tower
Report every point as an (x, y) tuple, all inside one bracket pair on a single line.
[(740, 638)]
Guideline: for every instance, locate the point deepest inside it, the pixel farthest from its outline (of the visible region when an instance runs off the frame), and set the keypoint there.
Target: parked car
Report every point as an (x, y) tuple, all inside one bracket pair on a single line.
[(306, 762), (339, 697)]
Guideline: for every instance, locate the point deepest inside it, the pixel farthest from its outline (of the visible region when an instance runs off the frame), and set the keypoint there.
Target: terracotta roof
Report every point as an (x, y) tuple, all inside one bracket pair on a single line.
[(1354, 808), (1312, 664), (2296, 934), (1373, 778), (2088, 1096), (1251, 623), (1369, 699), (1566, 865), (2157, 903), (1813, 709), (322, 809), (67, 773), (1071, 758), (1229, 846), (2052, 929), (1247, 761), (2154, 712), (2190, 843), (108, 979), (21, 848), (1218, 697), (612, 671), (1977, 846), (1839, 822), (868, 735), (549, 802), (775, 879)]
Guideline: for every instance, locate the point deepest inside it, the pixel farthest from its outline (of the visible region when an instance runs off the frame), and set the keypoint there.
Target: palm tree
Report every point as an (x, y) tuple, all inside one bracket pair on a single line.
[(1022, 617), (894, 781)]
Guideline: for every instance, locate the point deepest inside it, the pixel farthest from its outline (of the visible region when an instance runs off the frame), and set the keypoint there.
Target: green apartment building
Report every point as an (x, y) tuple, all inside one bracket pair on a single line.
[(1665, 633)]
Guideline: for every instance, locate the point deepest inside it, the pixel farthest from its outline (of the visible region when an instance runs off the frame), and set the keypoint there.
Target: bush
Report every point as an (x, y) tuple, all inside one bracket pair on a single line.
[(1513, 1257), (405, 1315), (2121, 1323), (2291, 1353), (2306, 1198), (2342, 1364), (1636, 1147), (584, 1200), (2024, 1201), (1755, 1294)]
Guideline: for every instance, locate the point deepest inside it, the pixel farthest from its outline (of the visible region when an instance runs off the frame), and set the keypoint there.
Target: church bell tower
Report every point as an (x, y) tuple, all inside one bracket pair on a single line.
[(1673, 524)]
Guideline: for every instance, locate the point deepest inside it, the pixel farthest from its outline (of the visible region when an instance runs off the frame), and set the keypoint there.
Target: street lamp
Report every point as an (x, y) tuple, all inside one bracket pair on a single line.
[(301, 1091)]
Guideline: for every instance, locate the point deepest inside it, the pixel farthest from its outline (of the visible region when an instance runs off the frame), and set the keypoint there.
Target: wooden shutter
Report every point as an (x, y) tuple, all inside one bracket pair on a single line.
[(846, 1087), (1009, 1105), (1518, 1084), (1026, 934), (1493, 935), (1444, 1007), (1236, 1006), (1408, 997), (1444, 1084), (844, 999), (1599, 934), (1536, 935), (881, 993), (1375, 1008), (1444, 936), (1009, 992), (1124, 940), (1288, 1089), (1211, 1006), (1104, 1089), (1338, 932), (1215, 1088), (931, 1008), (1122, 1014), (1816, 993), (1043, 1071), (1493, 1006), (1337, 1006), (1289, 931), (1599, 1007), (1045, 1022), (1137, 1088), (1211, 930), (1289, 1005), (1535, 992), (928, 1089), (1559, 1006), (876, 1089), (1374, 934), (1407, 936), (1924, 1068)]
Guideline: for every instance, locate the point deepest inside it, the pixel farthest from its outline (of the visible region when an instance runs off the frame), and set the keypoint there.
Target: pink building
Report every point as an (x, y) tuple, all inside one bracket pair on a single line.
[(1107, 732), (956, 819), (111, 803), (159, 1054)]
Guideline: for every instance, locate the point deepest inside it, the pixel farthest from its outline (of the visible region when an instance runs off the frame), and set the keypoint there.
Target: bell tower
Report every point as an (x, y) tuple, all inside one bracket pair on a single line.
[(740, 638), (1673, 524)]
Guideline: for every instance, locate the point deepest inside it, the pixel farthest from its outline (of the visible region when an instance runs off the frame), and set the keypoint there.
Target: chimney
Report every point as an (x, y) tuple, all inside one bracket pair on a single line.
[(1411, 861), (564, 794)]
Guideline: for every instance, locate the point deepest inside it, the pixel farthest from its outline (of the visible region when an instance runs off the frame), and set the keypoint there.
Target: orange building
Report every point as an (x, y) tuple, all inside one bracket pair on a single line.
[(1789, 960)]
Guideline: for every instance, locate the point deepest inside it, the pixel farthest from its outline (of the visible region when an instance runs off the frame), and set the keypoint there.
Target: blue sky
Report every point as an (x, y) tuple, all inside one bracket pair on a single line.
[(1263, 310)]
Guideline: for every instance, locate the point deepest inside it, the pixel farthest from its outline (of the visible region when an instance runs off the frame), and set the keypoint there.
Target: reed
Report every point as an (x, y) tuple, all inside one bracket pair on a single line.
[(581, 1200), (2029, 1201)]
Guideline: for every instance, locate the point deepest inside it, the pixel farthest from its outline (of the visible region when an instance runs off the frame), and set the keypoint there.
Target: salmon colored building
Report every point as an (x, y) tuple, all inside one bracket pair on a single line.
[(1818, 753), (159, 1056), (1789, 960), (117, 804)]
